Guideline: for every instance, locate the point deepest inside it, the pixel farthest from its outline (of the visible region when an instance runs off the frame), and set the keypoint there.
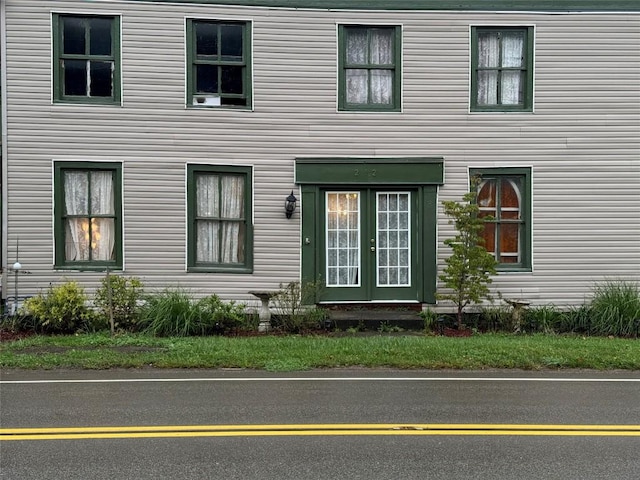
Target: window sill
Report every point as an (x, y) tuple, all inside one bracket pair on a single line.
[(240, 270), (88, 268)]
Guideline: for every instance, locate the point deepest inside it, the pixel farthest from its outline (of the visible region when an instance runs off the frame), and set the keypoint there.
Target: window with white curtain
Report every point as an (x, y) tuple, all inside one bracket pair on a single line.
[(502, 69), (369, 73), (219, 231), (88, 215)]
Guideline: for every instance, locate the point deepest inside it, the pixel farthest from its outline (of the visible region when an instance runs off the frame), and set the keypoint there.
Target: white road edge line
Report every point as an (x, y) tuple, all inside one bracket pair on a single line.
[(327, 379)]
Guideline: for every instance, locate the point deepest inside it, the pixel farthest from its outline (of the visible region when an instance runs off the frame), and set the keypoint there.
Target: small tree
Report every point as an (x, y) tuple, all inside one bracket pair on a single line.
[(468, 268)]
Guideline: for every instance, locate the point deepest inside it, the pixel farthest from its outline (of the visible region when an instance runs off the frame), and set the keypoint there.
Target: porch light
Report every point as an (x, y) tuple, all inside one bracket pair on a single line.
[(290, 205)]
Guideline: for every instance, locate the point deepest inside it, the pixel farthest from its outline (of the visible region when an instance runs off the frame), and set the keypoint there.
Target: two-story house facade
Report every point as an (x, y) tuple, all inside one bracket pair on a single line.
[(162, 140)]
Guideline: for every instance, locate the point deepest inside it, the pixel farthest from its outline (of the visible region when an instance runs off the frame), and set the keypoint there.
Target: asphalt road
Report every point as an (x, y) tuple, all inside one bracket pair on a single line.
[(333, 424)]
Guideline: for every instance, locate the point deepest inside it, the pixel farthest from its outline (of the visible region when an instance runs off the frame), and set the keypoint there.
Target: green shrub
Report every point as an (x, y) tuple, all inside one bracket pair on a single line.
[(62, 309), (545, 318), (429, 319), (294, 310), (496, 318), (614, 308), (124, 302), (175, 313)]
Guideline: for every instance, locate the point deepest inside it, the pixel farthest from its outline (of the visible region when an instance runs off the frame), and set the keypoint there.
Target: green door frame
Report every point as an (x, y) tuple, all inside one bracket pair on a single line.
[(421, 174)]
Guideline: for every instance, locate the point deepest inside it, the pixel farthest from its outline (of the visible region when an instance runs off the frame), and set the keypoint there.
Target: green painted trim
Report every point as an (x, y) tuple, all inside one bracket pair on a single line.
[(192, 266), (456, 5), (527, 105), (429, 243), (246, 63), (58, 92), (58, 227), (396, 103), (525, 241), (370, 171), (310, 219)]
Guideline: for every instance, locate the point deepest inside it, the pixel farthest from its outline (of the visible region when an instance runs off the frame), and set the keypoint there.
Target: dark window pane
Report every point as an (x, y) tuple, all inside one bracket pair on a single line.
[(235, 101), (206, 79), (206, 39), (232, 80), (75, 77), (101, 79), (73, 30), (100, 36), (231, 39)]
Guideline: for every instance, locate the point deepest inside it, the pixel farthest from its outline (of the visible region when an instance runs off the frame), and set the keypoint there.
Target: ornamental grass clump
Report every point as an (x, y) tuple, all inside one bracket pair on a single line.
[(173, 313), (615, 308)]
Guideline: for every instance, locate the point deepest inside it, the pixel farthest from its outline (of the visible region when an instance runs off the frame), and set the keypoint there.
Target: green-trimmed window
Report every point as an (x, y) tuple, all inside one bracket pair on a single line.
[(502, 69), (369, 73), (88, 215), (86, 58), (219, 63), (504, 198), (220, 232)]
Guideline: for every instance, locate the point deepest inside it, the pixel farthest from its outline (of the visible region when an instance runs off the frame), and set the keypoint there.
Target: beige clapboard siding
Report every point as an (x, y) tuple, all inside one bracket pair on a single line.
[(582, 141)]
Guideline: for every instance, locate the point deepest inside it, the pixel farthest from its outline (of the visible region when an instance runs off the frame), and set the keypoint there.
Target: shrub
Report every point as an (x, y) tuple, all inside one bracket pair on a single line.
[(429, 319), (544, 318), (614, 308), (496, 318), (294, 309), (124, 302), (175, 313), (62, 309)]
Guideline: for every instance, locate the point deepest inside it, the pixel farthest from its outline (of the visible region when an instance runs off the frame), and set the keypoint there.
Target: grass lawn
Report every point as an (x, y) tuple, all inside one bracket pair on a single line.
[(290, 353)]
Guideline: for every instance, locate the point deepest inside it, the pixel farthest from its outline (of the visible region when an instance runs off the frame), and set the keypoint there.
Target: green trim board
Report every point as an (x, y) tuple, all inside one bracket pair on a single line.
[(61, 215), (213, 217), (443, 5), (368, 171)]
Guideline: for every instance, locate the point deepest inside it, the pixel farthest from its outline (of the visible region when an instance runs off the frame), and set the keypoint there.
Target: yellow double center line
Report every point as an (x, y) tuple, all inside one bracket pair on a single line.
[(183, 431)]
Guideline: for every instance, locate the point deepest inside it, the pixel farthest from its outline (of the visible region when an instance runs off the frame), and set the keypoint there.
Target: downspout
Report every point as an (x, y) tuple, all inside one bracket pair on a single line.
[(3, 125)]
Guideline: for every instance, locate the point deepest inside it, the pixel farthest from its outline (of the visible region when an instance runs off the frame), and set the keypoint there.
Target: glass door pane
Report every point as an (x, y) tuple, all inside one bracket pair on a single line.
[(343, 239), (393, 262)]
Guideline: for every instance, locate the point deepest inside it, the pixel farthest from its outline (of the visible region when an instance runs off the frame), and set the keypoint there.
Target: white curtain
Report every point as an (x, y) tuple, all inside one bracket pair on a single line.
[(221, 239), (508, 81), (364, 85), (102, 229), (207, 205), (232, 207), (89, 237)]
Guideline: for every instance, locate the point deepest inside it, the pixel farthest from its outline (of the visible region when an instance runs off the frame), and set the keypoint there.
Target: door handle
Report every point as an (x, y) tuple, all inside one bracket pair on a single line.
[(373, 249)]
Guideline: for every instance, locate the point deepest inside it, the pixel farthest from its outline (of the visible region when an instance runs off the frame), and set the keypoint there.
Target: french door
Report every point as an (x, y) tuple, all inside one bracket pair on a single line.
[(370, 249)]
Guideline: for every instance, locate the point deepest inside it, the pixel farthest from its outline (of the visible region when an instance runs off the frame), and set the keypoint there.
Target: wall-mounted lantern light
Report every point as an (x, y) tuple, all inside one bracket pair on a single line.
[(290, 204)]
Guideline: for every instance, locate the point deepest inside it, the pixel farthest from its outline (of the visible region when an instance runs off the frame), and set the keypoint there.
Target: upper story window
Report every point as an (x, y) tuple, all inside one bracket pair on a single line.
[(369, 73), (219, 63), (88, 215), (86, 58), (502, 69), (219, 232), (504, 199)]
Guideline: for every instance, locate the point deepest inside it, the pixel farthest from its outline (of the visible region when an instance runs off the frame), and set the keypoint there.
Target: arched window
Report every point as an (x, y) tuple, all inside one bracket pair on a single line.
[(503, 203)]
